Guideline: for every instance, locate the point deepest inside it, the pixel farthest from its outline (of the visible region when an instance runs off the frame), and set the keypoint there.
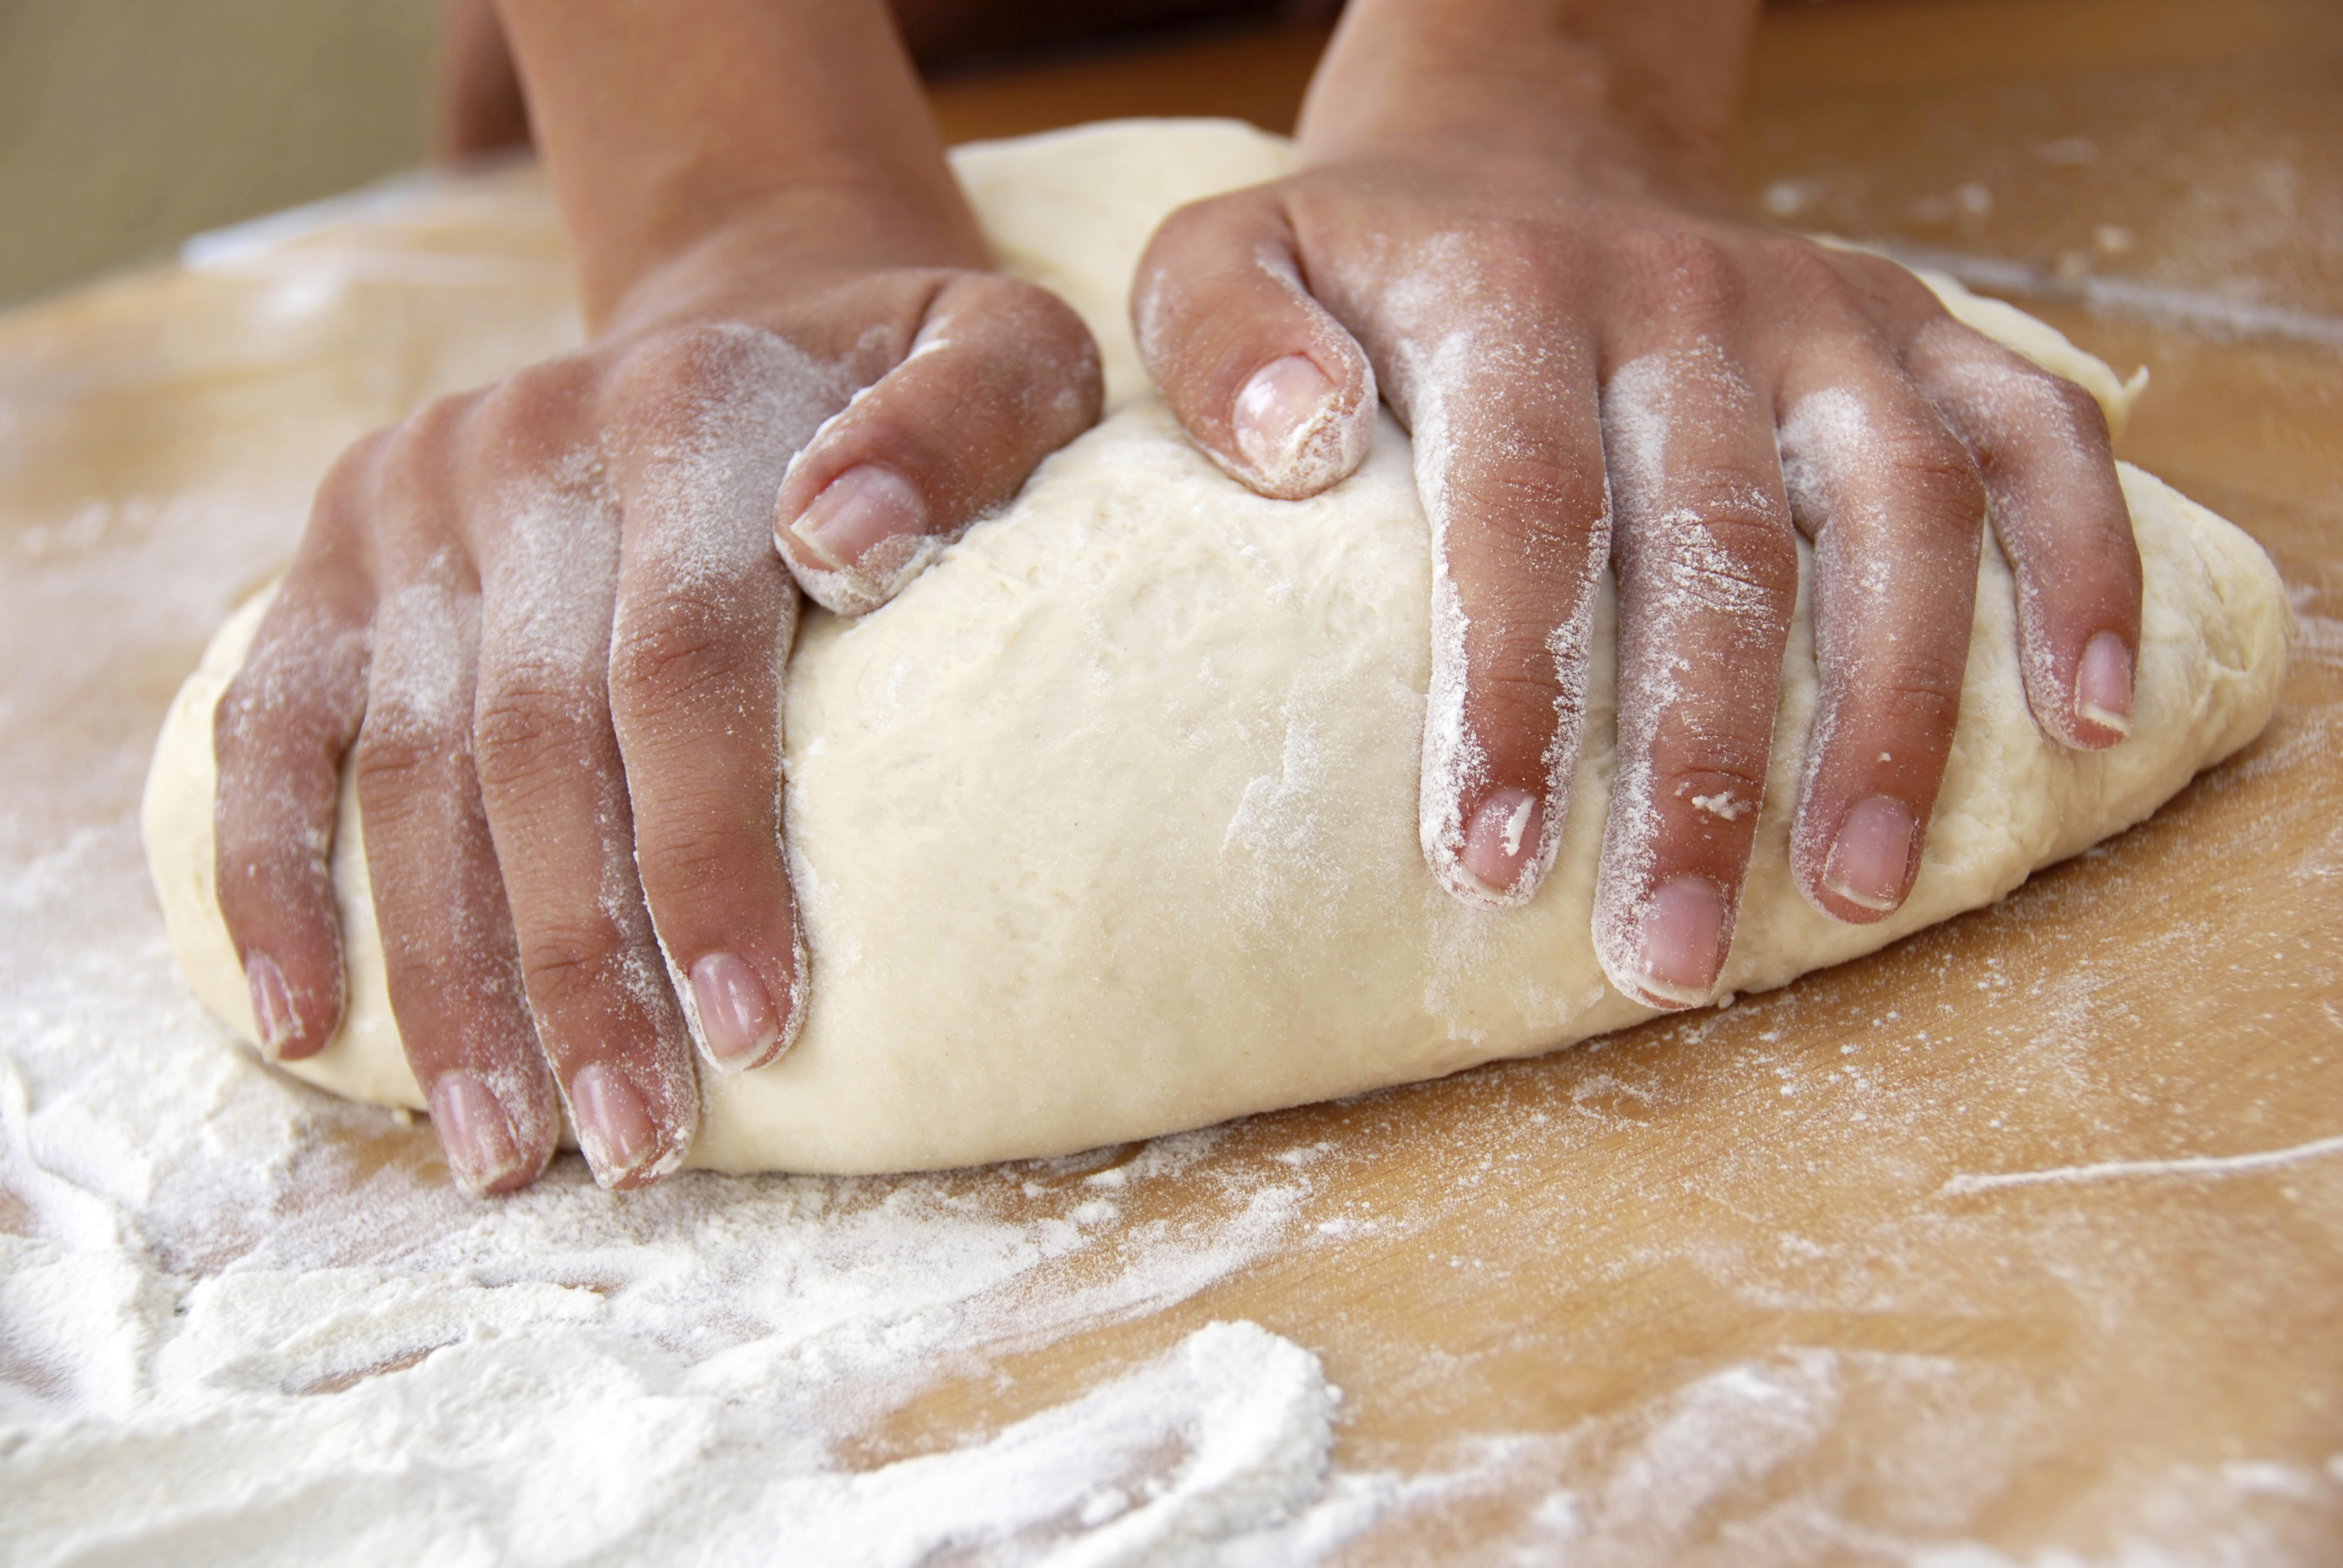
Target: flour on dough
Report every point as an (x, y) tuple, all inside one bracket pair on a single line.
[(1107, 825)]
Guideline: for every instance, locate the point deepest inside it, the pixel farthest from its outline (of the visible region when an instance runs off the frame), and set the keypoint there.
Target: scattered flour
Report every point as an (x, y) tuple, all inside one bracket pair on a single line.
[(229, 1330), (242, 1322)]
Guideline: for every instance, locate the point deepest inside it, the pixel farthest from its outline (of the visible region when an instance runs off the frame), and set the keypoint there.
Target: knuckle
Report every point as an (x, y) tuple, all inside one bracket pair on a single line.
[(694, 846), (519, 726), (351, 482), (1514, 712), (2075, 413), (1532, 499), (1934, 469), (1750, 543), (675, 362), (1516, 259), (1211, 221), (674, 652), (1802, 269), (1688, 272), (1863, 278), (1922, 697), (526, 411), (392, 755), (431, 427), (568, 963), (1725, 549), (1725, 789)]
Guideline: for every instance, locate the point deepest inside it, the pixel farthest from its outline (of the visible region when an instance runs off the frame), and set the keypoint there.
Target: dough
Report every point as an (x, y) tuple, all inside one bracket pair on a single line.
[(1107, 827)]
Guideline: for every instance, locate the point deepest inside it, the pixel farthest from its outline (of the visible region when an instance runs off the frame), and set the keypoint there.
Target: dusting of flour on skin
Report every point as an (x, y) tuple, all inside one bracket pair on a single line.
[(1832, 448), (1825, 432), (702, 486), (1455, 764), (1687, 584)]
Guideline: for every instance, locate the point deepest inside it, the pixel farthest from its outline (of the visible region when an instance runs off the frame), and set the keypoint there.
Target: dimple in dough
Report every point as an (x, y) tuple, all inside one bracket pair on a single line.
[(1107, 825)]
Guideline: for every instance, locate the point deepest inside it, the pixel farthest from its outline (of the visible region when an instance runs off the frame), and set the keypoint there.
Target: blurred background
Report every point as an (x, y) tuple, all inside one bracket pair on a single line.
[(2179, 159), (128, 124)]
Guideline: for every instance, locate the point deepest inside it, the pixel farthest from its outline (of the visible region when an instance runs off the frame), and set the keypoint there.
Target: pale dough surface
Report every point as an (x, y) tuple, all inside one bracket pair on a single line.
[(1107, 827)]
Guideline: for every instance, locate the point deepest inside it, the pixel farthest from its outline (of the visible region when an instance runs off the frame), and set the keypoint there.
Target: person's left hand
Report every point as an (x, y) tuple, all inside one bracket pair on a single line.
[(1600, 369)]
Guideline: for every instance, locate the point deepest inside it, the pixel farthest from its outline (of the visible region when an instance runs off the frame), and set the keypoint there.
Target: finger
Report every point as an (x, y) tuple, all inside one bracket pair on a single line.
[(279, 733), (451, 963), (1508, 457), (1001, 374), (2041, 443), (705, 613), (1708, 581), (1894, 504), (552, 780), (1259, 375)]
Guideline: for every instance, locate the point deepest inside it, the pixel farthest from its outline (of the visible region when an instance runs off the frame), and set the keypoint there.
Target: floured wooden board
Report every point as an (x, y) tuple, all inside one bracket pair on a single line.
[(1979, 1248)]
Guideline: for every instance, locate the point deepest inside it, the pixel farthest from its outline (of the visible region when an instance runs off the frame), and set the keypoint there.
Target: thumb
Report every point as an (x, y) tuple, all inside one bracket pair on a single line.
[(1000, 375), (1268, 383)]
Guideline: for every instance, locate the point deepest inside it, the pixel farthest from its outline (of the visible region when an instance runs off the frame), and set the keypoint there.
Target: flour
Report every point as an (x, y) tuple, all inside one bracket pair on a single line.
[(211, 1276), (222, 1336)]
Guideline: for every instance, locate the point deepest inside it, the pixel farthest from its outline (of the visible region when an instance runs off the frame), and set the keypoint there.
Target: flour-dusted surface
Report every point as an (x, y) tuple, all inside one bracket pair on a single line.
[(1760, 1285), (1107, 827), (205, 1367)]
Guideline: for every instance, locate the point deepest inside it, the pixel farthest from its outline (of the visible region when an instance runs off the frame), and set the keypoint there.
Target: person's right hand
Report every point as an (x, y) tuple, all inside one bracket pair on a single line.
[(545, 622)]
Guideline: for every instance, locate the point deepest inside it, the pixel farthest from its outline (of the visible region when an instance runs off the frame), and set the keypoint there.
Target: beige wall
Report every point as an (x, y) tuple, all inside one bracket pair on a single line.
[(128, 124)]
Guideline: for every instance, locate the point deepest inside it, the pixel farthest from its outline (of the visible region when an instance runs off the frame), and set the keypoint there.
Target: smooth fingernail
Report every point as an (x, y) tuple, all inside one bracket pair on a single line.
[(613, 1128), (2103, 684), (1682, 927), (861, 507), (474, 1131), (736, 1017), (1501, 847), (1872, 854), (1277, 407), (272, 1002)]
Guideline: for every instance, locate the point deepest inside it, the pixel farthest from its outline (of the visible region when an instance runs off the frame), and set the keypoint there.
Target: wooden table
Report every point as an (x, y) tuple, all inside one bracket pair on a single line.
[(2026, 1233)]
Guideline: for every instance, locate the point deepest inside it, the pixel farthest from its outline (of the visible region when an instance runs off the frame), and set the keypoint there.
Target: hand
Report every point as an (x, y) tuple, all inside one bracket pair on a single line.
[(546, 621), (1600, 369)]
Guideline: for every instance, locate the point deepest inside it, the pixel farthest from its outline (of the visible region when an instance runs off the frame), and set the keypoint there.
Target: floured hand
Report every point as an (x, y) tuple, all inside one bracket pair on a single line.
[(540, 620), (1506, 223)]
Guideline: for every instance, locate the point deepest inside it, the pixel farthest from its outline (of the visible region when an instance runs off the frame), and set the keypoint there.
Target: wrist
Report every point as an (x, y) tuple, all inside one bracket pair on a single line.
[(1638, 95), (755, 116), (738, 259), (727, 257)]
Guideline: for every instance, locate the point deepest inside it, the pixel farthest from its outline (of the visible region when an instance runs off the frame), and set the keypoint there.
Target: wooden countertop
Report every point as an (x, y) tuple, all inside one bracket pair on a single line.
[(2027, 1233)]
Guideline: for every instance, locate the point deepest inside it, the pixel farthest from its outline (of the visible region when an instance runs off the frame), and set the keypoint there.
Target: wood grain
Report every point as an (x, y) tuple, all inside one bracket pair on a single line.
[(1729, 1287)]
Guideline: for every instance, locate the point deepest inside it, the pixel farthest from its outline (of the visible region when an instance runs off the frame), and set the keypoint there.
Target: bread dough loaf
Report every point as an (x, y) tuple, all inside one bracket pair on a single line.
[(1107, 825)]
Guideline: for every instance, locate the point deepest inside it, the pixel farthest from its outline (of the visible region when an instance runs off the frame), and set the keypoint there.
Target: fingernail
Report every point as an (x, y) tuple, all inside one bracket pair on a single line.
[(1282, 400), (1682, 924), (613, 1128), (272, 1002), (2103, 684), (474, 1131), (1502, 845), (1873, 852), (736, 1016), (859, 509)]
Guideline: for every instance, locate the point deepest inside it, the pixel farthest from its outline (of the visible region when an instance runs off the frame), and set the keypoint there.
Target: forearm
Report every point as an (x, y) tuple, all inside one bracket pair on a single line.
[(1648, 89), (662, 129)]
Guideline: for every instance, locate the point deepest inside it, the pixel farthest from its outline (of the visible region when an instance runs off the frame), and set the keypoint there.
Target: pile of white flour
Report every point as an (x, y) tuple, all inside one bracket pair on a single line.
[(226, 1340)]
